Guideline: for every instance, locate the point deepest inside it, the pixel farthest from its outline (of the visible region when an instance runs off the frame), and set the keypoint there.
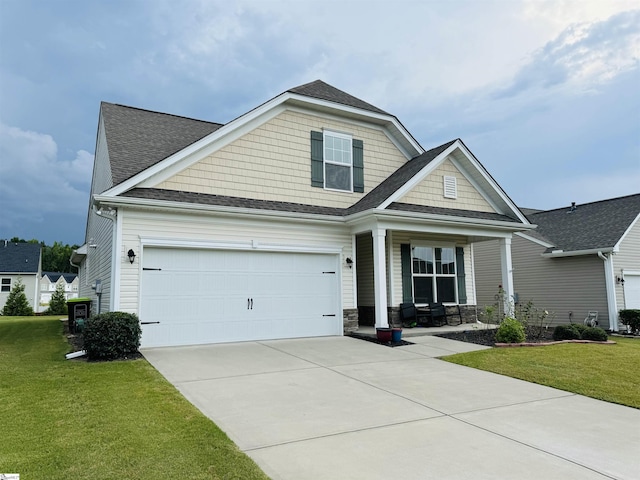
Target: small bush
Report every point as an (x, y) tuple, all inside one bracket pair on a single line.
[(58, 302), (17, 303), (112, 335), (631, 317), (510, 331), (594, 333), (568, 332)]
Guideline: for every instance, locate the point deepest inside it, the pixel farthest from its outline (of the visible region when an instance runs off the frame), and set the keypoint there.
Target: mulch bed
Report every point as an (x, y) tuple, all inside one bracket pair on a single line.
[(487, 336)]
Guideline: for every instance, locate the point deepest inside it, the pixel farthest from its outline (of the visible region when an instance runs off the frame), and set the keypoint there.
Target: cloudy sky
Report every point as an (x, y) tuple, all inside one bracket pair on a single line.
[(545, 94)]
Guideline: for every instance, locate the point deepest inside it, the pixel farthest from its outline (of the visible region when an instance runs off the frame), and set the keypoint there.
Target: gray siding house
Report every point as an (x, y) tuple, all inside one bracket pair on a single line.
[(580, 258)]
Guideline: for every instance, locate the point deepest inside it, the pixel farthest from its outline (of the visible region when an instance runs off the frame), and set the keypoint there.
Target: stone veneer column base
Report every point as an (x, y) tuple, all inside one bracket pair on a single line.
[(349, 320)]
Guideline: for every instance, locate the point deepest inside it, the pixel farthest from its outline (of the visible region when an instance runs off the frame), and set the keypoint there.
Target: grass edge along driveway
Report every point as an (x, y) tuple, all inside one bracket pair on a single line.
[(66, 419), (604, 372)]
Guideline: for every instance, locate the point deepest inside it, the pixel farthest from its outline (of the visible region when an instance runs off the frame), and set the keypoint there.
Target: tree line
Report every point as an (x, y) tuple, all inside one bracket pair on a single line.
[(55, 258)]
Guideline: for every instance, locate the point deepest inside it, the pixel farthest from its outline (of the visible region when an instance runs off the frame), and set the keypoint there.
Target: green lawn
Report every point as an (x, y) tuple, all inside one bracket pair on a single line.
[(605, 372), (66, 419)]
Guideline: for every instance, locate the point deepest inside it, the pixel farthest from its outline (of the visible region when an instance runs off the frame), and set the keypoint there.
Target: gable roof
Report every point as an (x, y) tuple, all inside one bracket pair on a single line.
[(591, 226), (55, 276), (19, 257), (138, 139), (324, 91)]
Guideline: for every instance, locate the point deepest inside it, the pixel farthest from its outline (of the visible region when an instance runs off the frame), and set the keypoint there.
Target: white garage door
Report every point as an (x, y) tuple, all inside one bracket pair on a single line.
[(631, 290), (191, 296)]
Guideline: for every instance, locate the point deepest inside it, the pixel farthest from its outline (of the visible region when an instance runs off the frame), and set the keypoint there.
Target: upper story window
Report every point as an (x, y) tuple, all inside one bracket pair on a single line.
[(6, 285), (337, 161)]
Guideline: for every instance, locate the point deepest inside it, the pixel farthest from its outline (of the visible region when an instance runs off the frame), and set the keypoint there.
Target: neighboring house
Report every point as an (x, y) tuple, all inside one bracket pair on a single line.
[(580, 258), (20, 261), (303, 217), (50, 281)]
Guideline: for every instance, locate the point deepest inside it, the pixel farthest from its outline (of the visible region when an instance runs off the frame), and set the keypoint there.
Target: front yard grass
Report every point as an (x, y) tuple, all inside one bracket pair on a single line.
[(605, 372), (66, 419)]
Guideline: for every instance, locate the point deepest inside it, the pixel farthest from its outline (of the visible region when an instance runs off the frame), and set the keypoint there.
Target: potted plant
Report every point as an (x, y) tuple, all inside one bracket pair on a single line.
[(384, 334)]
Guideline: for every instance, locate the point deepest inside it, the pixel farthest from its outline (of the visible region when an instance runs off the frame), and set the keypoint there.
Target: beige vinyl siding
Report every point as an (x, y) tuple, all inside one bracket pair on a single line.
[(558, 285), (628, 258), (174, 227), (273, 162), (431, 191), (399, 238)]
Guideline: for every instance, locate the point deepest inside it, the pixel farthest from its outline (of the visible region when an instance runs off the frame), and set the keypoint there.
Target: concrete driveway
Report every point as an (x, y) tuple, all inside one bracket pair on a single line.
[(341, 408)]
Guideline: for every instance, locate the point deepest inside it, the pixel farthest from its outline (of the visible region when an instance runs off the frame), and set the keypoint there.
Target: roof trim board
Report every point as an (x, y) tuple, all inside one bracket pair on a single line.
[(616, 247), (535, 240)]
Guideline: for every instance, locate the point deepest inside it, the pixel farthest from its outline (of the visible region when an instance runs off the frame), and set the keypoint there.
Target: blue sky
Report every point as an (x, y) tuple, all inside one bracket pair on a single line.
[(545, 94)]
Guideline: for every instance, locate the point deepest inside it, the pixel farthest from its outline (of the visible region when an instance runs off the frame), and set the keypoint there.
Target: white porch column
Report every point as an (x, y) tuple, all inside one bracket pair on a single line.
[(609, 279), (506, 267), (380, 277)]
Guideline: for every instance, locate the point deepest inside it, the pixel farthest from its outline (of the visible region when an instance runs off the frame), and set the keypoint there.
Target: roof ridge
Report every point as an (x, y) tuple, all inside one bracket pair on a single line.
[(322, 90), (587, 203), (146, 110)]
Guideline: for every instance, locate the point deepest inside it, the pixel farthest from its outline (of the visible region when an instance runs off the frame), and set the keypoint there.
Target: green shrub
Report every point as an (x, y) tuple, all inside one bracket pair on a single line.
[(568, 332), (112, 335), (631, 317), (594, 333), (58, 302), (17, 303), (510, 331)]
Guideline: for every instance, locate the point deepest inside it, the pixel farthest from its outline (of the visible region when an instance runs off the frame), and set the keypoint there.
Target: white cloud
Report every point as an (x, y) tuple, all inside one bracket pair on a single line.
[(35, 182)]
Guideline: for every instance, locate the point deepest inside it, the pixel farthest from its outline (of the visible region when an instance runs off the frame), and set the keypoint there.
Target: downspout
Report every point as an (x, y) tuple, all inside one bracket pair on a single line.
[(610, 287)]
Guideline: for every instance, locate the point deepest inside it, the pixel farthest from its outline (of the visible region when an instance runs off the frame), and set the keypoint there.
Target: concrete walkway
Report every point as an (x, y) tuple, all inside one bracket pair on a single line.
[(342, 408)]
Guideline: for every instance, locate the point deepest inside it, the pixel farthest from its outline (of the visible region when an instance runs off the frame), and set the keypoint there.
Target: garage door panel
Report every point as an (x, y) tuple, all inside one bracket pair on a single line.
[(201, 296)]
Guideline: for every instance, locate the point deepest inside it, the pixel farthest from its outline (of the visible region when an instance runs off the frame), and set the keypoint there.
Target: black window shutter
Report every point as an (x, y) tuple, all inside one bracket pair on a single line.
[(462, 287), (317, 160), (358, 166), (407, 278)]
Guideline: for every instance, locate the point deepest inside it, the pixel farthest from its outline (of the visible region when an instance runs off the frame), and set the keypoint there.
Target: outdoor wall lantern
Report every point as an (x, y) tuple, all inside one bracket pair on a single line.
[(620, 280), (349, 262), (132, 255)]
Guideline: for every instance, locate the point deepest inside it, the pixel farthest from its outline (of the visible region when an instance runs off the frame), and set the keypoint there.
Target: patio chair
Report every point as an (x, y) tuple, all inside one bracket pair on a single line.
[(437, 314), (592, 319), (410, 316)]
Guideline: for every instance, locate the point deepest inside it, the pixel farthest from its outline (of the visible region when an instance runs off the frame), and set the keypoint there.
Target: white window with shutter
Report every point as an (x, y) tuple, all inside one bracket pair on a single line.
[(450, 187)]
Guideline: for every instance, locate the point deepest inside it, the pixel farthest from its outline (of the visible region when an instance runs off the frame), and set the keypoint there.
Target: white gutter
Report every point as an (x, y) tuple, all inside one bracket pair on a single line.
[(575, 253), (611, 293)]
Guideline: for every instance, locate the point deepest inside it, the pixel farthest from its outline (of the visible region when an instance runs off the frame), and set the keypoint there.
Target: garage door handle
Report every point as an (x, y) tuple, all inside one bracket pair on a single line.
[(147, 323), (249, 303), (331, 315)]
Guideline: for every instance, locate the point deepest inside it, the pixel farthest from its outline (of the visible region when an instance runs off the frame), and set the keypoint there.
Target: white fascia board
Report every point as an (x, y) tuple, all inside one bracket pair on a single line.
[(577, 253), (542, 243), (167, 205), (410, 221), (418, 177), (234, 130), (616, 247), (474, 161)]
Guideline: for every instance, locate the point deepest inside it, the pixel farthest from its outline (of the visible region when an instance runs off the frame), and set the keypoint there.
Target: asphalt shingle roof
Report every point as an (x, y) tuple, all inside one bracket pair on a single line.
[(590, 226), (54, 276), (138, 139), (19, 257), (324, 91), (451, 212)]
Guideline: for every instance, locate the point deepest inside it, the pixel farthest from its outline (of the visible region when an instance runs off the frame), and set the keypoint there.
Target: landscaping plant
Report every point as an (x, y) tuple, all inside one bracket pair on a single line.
[(631, 318), (112, 335), (17, 304), (510, 331), (58, 302)]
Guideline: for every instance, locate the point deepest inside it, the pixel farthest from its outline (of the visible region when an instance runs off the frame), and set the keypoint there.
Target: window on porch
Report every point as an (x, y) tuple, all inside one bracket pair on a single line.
[(434, 274)]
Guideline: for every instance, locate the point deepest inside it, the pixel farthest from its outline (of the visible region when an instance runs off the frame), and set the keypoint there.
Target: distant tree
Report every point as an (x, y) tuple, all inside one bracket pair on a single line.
[(56, 258), (58, 302), (17, 303)]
